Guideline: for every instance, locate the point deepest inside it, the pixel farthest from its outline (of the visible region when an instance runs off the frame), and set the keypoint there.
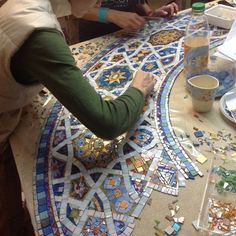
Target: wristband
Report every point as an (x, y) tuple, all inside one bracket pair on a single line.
[(102, 14)]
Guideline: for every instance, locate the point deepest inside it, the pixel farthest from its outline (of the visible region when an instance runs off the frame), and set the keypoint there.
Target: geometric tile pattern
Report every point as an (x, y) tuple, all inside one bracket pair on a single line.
[(86, 186)]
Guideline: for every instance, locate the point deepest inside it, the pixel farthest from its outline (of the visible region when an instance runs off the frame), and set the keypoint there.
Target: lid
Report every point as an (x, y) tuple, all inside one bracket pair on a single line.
[(198, 6)]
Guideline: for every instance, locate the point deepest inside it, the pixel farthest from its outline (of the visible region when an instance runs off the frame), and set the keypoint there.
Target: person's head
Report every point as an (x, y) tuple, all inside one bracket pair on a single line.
[(81, 7)]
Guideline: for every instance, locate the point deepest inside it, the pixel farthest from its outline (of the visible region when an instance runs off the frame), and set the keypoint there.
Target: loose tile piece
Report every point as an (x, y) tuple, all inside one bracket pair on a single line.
[(201, 158), (169, 230), (176, 227), (198, 134)]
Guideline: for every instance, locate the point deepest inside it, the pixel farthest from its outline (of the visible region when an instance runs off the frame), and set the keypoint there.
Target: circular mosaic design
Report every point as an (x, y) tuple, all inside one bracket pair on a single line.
[(84, 187)]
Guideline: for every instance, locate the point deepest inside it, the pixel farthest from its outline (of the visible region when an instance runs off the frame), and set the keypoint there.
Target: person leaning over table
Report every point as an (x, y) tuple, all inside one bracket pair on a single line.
[(33, 52), (115, 15)]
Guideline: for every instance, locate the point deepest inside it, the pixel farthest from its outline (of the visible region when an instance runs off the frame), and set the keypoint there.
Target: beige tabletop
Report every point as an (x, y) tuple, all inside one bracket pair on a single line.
[(190, 198), (25, 140)]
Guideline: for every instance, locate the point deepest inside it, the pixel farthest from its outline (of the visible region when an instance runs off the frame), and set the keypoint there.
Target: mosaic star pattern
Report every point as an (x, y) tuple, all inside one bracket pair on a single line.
[(86, 186)]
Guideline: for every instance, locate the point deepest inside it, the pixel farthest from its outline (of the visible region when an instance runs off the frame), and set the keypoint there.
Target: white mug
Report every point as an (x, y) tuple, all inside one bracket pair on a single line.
[(203, 89)]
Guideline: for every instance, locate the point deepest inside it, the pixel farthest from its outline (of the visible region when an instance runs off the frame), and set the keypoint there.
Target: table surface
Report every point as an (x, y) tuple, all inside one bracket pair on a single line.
[(183, 120)]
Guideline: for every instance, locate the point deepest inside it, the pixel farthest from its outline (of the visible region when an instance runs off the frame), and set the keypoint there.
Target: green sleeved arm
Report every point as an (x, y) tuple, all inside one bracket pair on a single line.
[(46, 58)]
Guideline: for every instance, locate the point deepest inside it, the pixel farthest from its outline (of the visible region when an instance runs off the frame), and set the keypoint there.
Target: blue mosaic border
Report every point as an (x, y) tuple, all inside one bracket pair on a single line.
[(167, 134), (169, 140), (43, 206)]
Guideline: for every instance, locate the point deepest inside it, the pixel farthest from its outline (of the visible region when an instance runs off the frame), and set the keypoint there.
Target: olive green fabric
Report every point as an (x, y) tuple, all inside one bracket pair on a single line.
[(46, 58)]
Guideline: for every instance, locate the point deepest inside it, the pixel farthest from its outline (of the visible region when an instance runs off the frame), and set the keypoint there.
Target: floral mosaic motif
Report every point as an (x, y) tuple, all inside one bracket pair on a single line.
[(93, 151), (123, 204), (164, 37), (95, 227), (115, 77), (117, 194), (112, 182), (79, 188)]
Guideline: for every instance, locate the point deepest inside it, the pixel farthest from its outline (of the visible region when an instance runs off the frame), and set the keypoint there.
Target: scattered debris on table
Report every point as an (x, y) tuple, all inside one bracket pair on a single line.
[(175, 221), (221, 216)]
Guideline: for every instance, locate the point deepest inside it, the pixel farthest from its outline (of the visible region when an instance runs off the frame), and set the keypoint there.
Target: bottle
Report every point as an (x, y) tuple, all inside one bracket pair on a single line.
[(196, 42)]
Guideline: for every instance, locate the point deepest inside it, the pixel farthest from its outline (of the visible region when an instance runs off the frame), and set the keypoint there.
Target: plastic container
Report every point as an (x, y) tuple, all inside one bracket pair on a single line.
[(196, 42), (218, 210), (221, 15), (224, 70)]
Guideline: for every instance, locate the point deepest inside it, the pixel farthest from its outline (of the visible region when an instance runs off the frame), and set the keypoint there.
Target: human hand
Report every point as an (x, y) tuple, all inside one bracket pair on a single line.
[(143, 81), (128, 21), (168, 10)]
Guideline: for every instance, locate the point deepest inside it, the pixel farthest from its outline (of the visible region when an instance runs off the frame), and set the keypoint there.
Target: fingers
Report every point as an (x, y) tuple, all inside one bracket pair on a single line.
[(144, 81), (172, 11), (136, 22), (168, 10), (164, 13), (150, 82), (176, 7), (160, 13), (150, 77), (140, 73), (173, 8), (144, 74)]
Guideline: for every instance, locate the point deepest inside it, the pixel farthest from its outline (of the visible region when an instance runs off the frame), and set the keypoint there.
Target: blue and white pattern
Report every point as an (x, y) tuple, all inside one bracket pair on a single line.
[(80, 190)]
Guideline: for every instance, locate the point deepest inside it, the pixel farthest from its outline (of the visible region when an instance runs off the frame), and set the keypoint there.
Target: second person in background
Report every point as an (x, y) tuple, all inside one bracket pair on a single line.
[(112, 15)]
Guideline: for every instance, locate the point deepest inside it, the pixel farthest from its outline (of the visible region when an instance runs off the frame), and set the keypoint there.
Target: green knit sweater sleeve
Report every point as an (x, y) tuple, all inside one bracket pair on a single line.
[(46, 58)]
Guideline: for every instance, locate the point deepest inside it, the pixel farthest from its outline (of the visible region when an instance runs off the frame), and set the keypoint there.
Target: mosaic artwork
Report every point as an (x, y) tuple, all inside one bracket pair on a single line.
[(86, 186)]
